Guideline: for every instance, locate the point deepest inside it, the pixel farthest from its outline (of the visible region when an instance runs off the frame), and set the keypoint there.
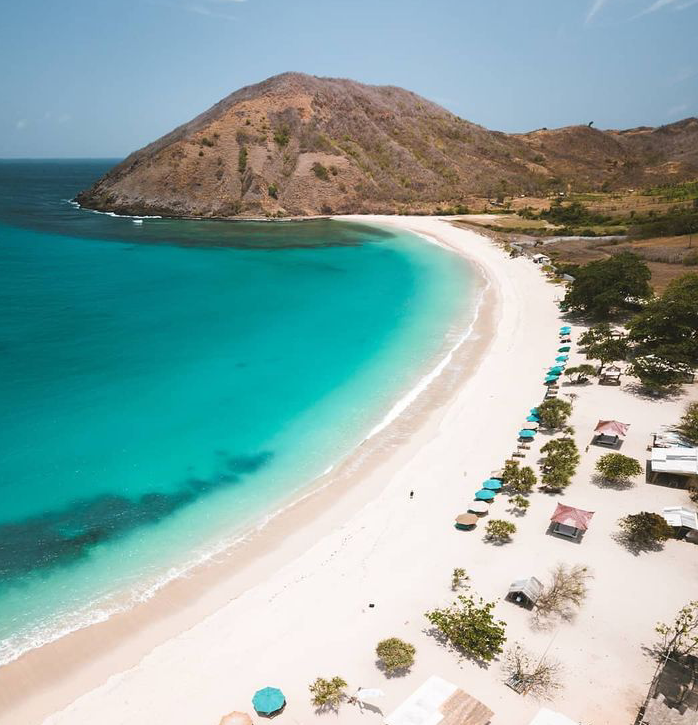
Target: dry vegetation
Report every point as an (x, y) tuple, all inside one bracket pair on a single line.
[(329, 145)]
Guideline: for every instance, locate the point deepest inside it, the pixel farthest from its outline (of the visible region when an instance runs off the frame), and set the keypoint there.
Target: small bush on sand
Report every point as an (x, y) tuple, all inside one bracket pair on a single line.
[(645, 530), (459, 578), (395, 655), (468, 626), (328, 694), (617, 468), (499, 530), (531, 675)]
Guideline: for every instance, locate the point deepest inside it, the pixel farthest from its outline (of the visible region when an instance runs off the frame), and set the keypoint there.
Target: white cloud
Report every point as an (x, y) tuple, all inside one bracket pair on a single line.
[(683, 74), (676, 4), (594, 9), (21, 124), (204, 10)]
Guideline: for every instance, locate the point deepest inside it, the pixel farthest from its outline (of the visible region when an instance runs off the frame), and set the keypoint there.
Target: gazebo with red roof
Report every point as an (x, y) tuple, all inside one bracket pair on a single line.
[(570, 521)]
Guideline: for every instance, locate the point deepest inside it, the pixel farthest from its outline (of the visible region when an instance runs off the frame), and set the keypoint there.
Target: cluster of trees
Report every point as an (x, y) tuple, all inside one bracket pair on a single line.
[(518, 480), (689, 423), (559, 464), (553, 413), (608, 285), (662, 339), (680, 638)]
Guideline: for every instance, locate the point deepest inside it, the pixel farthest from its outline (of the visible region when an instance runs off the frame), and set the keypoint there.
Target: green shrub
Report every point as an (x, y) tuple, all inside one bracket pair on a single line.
[(205, 141), (242, 159), (320, 171), (499, 530), (273, 191), (395, 655), (645, 530), (470, 627), (328, 694), (618, 468), (282, 136)]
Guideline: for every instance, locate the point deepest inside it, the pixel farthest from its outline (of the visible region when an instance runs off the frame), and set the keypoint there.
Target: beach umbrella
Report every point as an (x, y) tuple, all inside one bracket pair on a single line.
[(484, 495), (562, 358), (268, 700), (534, 411), (551, 379), (492, 484), (526, 433), (565, 330), (556, 369), (465, 521), (533, 419), (564, 348), (479, 507), (236, 718)]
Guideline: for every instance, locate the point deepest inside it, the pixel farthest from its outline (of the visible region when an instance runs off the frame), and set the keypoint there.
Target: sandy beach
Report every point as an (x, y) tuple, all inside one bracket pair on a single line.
[(295, 604)]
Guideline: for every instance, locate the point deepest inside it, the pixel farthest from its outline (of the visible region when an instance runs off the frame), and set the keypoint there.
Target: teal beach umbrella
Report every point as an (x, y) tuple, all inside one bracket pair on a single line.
[(484, 495), (492, 484), (564, 348), (533, 418), (526, 433), (551, 379), (561, 358), (556, 369), (565, 330), (268, 700), (534, 411)]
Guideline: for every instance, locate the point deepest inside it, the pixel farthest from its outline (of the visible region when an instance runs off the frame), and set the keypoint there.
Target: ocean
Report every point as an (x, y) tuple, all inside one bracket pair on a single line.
[(167, 385)]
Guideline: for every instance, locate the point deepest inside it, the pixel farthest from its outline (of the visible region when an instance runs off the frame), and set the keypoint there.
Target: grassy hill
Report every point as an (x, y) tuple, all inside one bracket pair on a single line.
[(299, 145)]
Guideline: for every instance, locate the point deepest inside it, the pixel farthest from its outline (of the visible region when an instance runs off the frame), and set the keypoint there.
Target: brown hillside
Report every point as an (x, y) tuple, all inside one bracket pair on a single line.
[(297, 144)]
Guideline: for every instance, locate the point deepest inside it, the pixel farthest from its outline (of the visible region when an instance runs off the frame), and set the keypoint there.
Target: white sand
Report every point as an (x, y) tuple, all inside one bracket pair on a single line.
[(311, 618)]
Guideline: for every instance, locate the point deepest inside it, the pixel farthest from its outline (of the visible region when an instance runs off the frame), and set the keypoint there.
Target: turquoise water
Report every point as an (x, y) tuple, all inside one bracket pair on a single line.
[(163, 386)]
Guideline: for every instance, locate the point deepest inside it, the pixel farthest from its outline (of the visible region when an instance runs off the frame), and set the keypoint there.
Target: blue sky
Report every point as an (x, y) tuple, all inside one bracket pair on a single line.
[(100, 78)]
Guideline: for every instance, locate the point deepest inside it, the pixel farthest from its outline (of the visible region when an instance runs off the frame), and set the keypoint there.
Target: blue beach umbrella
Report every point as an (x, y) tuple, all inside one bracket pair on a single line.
[(526, 433), (268, 700), (556, 369), (484, 495), (534, 411), (551, 379), (492, 484), (565, 330), (564, 348), (533, 418), (561, 358)]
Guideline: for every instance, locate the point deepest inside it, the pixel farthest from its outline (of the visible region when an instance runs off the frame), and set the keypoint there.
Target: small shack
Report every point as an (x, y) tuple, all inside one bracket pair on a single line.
[(570, 521), (678, 464), (439, 701), (683, 520), (540, 259), (610, 376), (525, 592)]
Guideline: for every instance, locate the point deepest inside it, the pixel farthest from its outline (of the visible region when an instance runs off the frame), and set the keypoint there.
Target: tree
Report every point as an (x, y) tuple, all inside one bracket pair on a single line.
[(531, 675), (517, 479), (645, 530), (659, 374), (580, 373), (553, 413), (559, 464), (395, 655), (470, 627), (499, 530), (617, 468), (566, 591), (606, 285), (689, 423), (680, 638), (519, 503), (602, 344), (459, 578), (668, 326), (328, 694)]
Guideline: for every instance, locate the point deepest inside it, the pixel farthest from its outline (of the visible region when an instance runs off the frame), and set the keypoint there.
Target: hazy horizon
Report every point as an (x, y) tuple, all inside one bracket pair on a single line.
[(88, 80)]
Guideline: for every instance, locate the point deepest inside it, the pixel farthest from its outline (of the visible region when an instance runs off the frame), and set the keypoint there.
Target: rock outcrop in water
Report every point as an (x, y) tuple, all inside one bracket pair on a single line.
[(301, 145)]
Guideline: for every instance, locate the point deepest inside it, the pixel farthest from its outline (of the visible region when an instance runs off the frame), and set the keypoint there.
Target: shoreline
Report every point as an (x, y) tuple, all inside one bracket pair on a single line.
[(363, 561), (448, 369)]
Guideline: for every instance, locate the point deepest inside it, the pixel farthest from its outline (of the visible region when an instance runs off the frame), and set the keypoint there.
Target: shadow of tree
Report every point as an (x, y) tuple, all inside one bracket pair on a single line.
[(634, 547), (606, 483)]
